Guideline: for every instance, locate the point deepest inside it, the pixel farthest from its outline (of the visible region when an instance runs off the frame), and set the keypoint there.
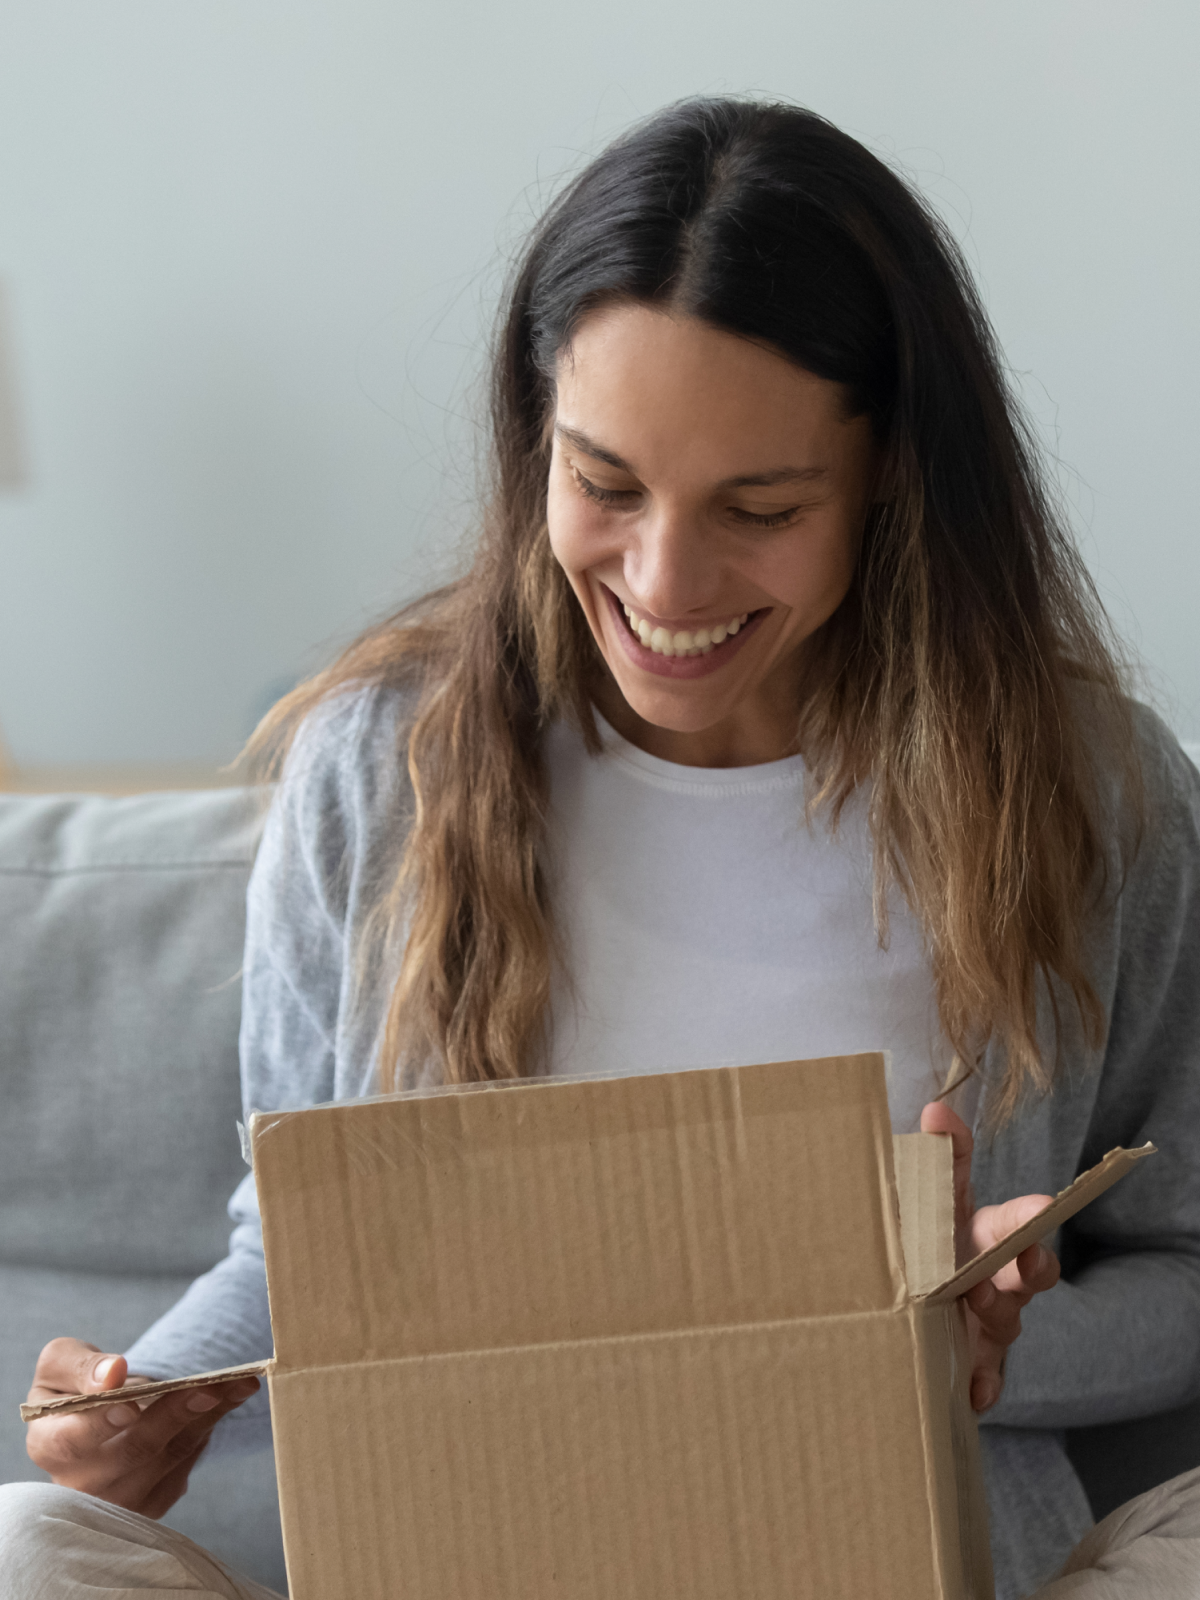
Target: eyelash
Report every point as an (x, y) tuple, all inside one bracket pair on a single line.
[(593, 491), (614, 497)]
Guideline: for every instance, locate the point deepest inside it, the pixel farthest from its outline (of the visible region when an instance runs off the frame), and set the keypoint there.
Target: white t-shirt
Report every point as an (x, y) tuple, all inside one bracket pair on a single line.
[(705, 924)]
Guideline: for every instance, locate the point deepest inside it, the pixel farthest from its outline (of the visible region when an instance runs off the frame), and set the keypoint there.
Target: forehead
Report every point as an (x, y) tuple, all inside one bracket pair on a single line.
[(668, 392)]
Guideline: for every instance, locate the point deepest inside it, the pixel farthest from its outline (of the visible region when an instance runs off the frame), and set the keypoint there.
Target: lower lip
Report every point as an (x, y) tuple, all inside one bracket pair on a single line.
[(678, 666)]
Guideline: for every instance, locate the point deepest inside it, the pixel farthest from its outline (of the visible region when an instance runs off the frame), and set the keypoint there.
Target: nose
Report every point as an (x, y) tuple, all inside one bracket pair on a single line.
[(668, 569)]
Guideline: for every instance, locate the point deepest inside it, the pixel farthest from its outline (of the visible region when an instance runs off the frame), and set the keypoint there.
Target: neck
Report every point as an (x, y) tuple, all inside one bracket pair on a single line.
[(754, 736)]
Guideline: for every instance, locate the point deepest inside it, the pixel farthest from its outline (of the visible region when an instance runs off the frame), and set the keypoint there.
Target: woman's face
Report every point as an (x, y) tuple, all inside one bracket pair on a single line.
[(706, 502)]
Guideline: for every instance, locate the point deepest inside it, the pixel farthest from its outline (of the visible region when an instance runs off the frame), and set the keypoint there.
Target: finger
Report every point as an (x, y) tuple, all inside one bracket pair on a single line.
[(169, 1488), (138, 1485), (140, 1458), (999, 1314), (97, 1449), (937, 1117), (990, 1224), (69, 1366), (82, 1450), (1033, 1272), (987, 1384), (137, 1435), (64, 1445), (147, 1464), (987, 1354)]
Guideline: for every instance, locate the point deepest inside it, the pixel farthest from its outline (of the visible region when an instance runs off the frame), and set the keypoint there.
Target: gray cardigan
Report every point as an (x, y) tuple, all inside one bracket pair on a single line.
[(1118, 1338)]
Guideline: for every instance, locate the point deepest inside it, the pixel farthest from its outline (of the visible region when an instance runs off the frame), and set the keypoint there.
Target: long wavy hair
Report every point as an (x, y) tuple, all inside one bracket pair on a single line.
[(969, 677)]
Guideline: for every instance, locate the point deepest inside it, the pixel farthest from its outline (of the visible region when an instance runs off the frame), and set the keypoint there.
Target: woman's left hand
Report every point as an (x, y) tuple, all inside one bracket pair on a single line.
[(993, 1306)]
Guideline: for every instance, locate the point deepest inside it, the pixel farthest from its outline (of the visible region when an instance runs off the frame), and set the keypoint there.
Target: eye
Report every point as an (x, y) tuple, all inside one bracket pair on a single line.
[(765, 519), (605, 497)]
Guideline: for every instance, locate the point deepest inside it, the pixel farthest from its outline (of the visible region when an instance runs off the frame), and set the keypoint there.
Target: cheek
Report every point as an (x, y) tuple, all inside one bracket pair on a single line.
[(560, 525), (579, 537), (816, 571)]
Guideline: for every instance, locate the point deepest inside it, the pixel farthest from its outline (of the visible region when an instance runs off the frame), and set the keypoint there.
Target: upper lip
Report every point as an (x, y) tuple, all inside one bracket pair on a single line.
[(688, 624)]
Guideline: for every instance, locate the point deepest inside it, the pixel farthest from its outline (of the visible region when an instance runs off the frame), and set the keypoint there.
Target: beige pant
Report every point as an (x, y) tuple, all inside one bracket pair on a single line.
[(57, 1544), (1147, 1549)]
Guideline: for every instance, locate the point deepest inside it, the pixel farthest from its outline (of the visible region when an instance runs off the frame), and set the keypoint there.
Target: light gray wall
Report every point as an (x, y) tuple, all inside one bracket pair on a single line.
[(249, 245)]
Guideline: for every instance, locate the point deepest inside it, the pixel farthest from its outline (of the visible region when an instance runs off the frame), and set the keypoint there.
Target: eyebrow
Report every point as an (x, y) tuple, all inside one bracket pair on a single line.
[(746, 480)]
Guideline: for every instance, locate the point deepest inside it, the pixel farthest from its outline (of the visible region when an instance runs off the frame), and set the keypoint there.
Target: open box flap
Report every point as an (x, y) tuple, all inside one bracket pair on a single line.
[(141, 1391), (924, 1165), (1085, 1189)]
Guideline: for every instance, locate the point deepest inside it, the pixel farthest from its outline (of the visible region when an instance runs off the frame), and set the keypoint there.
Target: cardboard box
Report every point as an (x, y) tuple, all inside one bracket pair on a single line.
[(683, 1335)]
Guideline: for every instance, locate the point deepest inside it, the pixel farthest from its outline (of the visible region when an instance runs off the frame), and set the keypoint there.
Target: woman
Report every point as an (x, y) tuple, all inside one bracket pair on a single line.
[(767, 541)]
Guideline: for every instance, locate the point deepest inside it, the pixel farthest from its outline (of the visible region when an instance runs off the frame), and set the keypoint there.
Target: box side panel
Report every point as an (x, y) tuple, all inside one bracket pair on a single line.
[(953, 1461), (780, 1463), (578, 1210)]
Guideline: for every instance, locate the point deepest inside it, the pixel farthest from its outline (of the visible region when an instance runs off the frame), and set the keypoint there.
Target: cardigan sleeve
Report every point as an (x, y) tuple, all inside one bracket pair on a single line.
[(1120, 1336), (293, 981)]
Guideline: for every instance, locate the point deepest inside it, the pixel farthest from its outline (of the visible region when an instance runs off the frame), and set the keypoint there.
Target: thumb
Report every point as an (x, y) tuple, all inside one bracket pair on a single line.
[(102, 1372), (72, 1366)]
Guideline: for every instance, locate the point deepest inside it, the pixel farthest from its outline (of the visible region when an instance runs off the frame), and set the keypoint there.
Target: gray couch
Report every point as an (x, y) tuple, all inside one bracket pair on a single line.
[(120, 941), (121, 926)]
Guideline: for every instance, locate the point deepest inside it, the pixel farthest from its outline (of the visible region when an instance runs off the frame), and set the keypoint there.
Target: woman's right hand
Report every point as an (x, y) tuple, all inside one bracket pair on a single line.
[(134, 1455)]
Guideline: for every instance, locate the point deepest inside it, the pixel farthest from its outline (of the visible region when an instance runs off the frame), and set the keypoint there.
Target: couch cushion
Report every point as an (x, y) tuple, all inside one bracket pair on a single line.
[(121, 928)]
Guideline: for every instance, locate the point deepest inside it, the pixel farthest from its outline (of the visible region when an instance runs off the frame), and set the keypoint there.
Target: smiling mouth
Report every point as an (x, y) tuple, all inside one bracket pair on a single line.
[(685, 642)]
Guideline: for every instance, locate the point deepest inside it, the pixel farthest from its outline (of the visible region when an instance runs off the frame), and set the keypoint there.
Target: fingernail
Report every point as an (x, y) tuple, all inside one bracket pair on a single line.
[(121, 1416), (202, 1402), (102, 1368)]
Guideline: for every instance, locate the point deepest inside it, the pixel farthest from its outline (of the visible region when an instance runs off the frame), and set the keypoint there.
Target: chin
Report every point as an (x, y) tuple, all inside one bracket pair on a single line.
[(675, 713)]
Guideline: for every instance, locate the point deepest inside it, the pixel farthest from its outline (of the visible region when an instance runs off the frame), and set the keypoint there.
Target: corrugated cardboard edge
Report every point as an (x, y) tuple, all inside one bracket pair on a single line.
[(924, 1169), (925, 1324), (974, 1538), (953, 1470), (142, 1391), (1085, 1189)]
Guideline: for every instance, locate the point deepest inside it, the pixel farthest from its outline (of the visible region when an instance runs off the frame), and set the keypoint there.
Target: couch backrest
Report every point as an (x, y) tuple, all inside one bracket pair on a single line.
[(121, 928)]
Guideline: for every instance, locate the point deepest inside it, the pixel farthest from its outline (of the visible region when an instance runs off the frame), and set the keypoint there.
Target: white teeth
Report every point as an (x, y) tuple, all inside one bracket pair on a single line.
[(683, 643)]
